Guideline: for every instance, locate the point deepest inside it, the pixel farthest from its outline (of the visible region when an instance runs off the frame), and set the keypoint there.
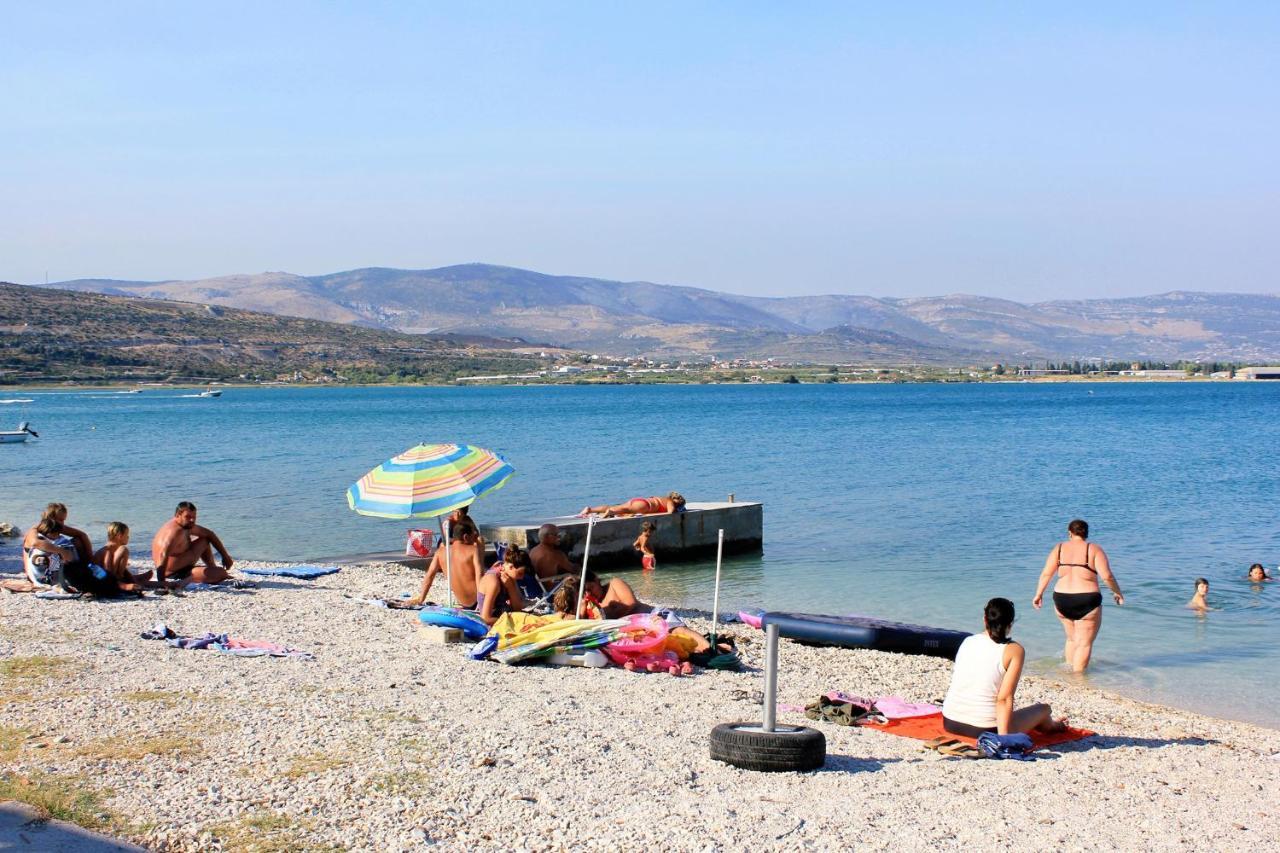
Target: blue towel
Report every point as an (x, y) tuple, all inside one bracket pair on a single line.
[(303, 572), (1015, 746)]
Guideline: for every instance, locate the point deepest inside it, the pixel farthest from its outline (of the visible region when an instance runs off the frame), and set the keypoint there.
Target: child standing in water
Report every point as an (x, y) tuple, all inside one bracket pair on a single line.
[(648, 560), (1200, 601)]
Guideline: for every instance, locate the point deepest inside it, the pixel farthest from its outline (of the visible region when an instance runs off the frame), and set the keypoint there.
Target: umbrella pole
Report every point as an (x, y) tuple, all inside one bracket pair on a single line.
[(715, 602), (582, 581), (448, 553)]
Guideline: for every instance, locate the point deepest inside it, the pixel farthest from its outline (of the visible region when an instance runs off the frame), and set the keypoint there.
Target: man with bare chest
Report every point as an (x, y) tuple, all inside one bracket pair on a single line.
[(181, 544)]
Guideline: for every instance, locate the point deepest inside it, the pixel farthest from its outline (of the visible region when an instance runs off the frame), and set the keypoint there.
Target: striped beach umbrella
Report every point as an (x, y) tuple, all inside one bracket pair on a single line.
[(428, 480)]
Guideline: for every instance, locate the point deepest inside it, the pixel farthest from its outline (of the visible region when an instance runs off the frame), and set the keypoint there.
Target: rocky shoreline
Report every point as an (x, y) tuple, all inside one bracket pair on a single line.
[(384, 741)]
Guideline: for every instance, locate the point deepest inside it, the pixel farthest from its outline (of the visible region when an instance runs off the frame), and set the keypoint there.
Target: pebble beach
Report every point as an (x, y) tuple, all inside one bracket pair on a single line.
[(385, 741)]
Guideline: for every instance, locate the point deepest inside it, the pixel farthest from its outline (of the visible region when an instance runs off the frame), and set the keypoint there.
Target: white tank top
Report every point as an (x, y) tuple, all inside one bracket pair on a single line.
[(975, 682)]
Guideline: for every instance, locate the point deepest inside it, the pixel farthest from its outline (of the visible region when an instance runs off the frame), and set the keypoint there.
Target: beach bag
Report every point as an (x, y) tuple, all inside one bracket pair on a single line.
[(419, 542), (44, 569)]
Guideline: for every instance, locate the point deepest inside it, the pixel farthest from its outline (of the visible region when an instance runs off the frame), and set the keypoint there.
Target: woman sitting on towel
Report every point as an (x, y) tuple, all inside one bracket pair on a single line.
[(499, 590), (656, 505), (985, 678)]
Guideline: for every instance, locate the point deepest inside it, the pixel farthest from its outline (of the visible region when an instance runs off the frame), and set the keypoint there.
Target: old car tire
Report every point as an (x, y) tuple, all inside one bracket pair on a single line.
[(787, 748)]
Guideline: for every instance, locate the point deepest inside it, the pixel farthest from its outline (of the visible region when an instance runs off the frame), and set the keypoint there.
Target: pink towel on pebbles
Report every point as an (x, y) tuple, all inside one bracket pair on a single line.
[(894, 708), (891, 707)]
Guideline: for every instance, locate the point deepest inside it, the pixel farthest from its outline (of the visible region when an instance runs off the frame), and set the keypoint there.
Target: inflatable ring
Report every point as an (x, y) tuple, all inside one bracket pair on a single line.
[(644, 632), (467, 621)]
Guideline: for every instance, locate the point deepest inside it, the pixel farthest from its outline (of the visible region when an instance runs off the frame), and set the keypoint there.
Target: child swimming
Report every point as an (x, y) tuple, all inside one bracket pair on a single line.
[(1199, 601)]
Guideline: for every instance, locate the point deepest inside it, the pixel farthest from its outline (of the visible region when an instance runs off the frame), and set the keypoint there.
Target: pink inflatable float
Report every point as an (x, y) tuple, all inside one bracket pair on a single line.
[(642, 647)]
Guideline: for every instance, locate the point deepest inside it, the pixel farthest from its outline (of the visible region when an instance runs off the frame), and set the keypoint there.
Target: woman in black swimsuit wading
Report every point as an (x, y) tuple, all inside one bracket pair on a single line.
[(1077, 597)]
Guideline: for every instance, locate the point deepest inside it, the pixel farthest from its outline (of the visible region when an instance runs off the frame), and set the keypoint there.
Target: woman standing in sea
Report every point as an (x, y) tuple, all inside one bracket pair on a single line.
[(1077, 598)]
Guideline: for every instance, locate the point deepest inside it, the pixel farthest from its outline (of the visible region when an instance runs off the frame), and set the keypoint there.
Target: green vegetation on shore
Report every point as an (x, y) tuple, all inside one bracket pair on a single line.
[(60, 336)]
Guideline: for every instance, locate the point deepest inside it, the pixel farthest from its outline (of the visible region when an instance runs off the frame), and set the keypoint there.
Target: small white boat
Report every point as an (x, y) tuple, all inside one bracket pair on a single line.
[(131, 391), (19, 435), (209, 393)]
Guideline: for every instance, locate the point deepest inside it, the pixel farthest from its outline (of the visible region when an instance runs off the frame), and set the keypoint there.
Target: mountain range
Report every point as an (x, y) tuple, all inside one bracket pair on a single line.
[(663, 321), (49, 335)]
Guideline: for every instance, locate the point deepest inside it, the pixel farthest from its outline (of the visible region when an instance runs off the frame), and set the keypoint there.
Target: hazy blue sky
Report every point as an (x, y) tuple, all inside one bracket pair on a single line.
[(1068, 149)]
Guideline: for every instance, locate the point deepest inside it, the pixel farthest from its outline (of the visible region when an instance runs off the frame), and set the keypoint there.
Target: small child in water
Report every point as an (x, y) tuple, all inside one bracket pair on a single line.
[(1257, 573), (1199, 601), (648, 560)]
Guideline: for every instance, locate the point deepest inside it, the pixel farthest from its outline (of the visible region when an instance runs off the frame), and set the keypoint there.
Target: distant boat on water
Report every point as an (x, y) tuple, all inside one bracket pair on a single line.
[(209, 392), (19, 435)]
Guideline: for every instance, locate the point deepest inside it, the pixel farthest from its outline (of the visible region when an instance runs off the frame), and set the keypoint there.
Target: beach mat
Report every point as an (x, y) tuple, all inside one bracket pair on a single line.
[(930, 727), (300, 572)]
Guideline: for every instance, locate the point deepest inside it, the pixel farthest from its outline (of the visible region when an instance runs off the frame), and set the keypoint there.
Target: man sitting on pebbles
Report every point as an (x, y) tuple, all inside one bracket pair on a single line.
[(181, 543)]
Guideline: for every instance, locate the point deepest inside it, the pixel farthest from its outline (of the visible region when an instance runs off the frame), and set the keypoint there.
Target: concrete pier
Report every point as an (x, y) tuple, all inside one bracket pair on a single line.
[(678, 536)]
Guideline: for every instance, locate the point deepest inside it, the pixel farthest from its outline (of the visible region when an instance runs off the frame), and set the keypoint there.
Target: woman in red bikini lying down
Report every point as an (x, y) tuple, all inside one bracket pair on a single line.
[(1077, 597), (656, 505)]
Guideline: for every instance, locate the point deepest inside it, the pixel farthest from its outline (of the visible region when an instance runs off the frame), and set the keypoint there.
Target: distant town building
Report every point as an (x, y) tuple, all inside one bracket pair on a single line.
[(1258, 373)]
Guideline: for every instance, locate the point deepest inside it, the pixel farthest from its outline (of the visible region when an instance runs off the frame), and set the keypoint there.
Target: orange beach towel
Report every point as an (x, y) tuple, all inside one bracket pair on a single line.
[(929, 727)]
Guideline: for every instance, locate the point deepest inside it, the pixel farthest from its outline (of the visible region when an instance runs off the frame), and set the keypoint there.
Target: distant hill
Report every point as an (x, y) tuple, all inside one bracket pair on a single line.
[(641, 318), (57, 334)]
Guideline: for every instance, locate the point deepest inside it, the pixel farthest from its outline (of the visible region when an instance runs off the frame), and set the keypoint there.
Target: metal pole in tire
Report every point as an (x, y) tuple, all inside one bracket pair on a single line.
[(766, 746), (770, 678)]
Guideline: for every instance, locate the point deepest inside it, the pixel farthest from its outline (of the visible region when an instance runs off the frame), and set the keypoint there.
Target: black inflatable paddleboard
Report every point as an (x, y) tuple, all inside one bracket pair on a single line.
[(863, 632)]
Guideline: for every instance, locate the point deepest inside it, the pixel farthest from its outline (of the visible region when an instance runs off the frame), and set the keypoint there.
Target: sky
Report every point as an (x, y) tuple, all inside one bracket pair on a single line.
[(1026, 151)]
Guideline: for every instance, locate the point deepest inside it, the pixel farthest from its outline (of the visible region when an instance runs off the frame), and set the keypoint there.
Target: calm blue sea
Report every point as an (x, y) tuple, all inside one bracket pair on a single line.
[(911, 502)]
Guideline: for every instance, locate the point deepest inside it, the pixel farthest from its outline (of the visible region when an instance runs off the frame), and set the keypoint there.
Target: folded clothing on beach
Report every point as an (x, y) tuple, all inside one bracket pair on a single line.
[(223, 643), (930, 727), (1016, 746), (842, 713), (302, 572)]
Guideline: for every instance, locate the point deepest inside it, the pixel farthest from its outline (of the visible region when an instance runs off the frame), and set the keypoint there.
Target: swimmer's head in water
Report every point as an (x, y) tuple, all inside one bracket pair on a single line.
[(1257, 573), (1201, 582), (998, 617), (1079, 527)]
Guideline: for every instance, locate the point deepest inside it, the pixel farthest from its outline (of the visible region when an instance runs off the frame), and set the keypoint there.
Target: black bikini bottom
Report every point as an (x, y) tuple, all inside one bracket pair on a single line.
[(956, 727), (1074, 606)]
